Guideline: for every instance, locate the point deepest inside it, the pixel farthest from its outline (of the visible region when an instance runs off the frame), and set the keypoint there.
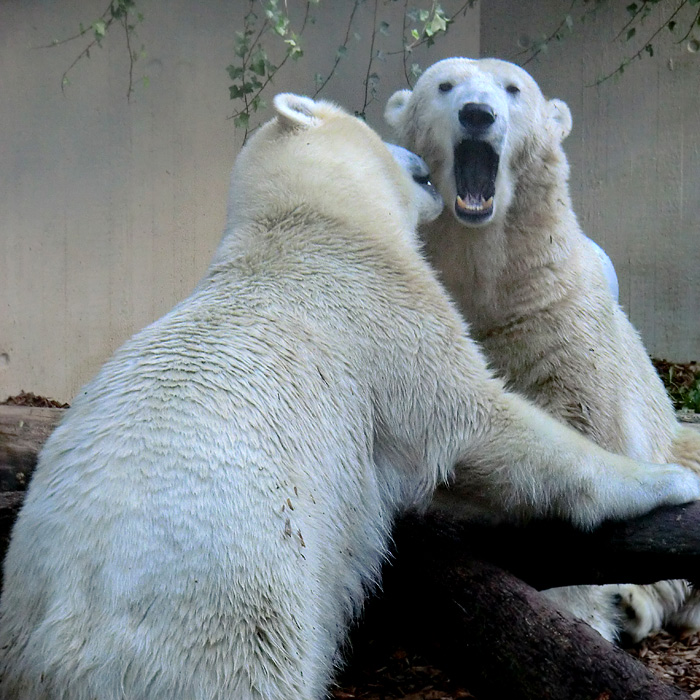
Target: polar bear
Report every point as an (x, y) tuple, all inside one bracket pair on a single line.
[(539, 296), (208, 516)]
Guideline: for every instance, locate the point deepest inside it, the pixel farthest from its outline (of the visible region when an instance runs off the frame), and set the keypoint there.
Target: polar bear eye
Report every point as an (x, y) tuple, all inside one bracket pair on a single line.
[(445, 87), (513, 89)]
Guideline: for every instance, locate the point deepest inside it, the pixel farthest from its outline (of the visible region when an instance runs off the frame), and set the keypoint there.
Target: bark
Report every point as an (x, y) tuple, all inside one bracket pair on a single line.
[(662, 544), (499, 637)]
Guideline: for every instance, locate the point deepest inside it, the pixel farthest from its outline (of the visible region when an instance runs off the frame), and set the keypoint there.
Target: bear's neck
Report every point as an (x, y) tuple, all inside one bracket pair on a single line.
[(514, 266)]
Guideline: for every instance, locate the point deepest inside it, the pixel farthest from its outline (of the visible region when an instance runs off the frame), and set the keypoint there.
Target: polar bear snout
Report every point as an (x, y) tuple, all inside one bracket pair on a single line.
[(476, 117), (429, 202)]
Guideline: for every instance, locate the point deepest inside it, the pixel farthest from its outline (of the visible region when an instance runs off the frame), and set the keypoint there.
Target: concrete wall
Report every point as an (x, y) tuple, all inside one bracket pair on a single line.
[(112, 209), (634, 153)]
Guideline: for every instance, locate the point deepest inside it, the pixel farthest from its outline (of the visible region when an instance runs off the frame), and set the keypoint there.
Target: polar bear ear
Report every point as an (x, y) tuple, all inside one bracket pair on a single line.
[(560, 117), (295, 111), (395, 107)]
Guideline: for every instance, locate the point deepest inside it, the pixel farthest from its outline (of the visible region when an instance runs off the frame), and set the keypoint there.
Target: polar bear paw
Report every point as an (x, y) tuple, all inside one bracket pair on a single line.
[(659, 485), (628, 613), (645, 610)]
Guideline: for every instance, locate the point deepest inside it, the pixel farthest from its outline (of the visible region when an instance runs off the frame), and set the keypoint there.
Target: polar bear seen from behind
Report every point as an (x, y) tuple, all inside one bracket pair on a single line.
[(207, 517), (538, 295)]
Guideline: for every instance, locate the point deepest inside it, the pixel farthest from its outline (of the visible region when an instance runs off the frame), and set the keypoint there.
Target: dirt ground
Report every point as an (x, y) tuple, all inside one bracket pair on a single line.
[(400, 676)]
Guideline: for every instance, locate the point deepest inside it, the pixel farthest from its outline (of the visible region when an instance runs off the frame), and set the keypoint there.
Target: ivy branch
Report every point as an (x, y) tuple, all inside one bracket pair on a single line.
[(321, 82), (428, 25), (638, 12), (255, 69), (117, 12)]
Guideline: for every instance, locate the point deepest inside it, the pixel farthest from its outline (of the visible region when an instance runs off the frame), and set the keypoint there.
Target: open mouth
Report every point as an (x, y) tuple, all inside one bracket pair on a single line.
[(475, 166)]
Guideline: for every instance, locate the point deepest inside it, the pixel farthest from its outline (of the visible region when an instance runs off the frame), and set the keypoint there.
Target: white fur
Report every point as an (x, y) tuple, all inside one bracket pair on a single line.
[(209, 514), (540, 297)]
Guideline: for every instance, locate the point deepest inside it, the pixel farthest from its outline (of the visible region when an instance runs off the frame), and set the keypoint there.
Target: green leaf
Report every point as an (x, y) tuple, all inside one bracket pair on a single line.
[(342, 50), (384, 28), (100, 28), (437, 24), (237, 91), (258, 62), (242, 120), (241, 45), (569, 21), (630, 33), (258, 103), (282, 25), (632, 9), (671, 25), (415, 34), (295, 50), (234, 72)]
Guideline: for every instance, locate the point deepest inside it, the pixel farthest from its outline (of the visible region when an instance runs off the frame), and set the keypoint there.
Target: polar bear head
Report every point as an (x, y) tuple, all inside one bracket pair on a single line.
[(315, 156), (479, 124)]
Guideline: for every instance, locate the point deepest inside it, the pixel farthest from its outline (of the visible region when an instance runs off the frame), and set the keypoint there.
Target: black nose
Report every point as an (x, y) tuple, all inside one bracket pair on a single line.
[(477, 116)]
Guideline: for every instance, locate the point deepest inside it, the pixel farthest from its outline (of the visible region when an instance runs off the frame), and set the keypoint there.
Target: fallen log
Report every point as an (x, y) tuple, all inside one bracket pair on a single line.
[(498, 636), (662, 544), (23, 431)]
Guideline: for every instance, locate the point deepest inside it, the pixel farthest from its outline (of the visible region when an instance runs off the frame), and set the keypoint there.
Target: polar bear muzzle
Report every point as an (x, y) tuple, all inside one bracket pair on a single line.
[(475, 170)]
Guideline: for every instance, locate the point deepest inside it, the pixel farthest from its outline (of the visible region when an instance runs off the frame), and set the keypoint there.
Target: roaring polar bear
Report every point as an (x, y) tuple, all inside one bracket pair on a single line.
[(539, 296), (206, 519)]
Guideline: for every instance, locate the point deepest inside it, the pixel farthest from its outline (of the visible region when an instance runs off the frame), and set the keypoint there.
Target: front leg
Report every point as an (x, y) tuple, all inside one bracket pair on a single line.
[(523, 463)]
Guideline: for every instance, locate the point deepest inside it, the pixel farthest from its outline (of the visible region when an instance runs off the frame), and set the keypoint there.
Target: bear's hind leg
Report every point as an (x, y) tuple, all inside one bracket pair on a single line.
[(628, 612)]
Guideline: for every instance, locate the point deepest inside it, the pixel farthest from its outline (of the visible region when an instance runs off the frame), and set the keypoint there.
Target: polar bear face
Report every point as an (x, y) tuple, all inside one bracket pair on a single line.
[(426, 198), (477, 123)]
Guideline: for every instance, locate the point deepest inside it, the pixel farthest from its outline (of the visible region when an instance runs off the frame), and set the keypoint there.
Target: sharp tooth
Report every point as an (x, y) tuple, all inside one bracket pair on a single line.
[(473, 207)]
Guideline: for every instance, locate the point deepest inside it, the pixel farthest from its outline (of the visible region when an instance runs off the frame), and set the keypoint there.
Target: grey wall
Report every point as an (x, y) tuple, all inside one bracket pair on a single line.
[(634, 153), (111, 210)]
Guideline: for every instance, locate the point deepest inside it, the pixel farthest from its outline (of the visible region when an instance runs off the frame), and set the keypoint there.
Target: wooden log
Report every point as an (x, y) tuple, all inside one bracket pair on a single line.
[(499, 636), (23, 431), (662, 544)]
